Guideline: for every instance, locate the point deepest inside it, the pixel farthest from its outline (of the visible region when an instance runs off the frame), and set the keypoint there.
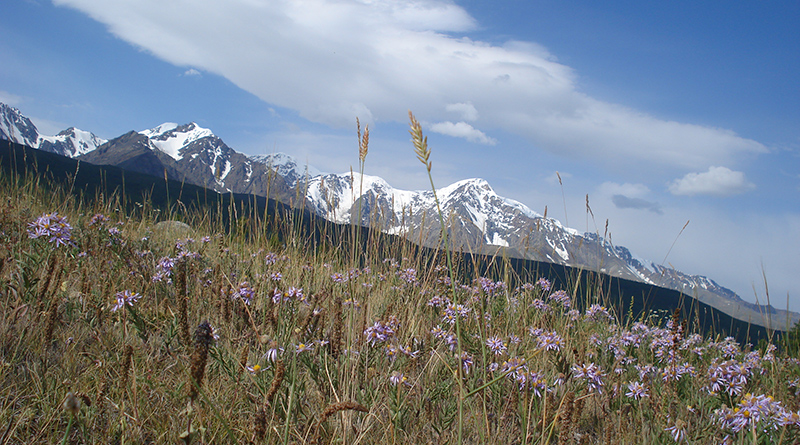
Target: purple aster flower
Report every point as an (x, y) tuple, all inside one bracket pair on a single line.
[(438, 332), (398, 378), (244, 292), (516, 368), (438, 301), (561, 297), (408, 275), (539, 304), (272, 353), (297, 294), (550, 341), (543, 284), (466, 362), (598, 313), (677, 431), (573, 314), (98, 219), (380, 332), (303, 347), (636, 391), (125, 297), (496, 345), (451, 341), (592, 374), (536, 383), (391, 352)]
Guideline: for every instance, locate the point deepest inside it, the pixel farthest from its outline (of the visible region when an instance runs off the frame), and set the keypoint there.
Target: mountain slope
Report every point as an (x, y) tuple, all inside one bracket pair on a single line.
[(192, 154)]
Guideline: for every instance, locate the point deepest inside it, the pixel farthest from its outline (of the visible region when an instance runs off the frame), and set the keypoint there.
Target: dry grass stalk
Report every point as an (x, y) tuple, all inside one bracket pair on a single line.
[(338, 328), (52, 318), (565, 432), (183, 301), (48, 278), (225, 302), (127, 360), (280, 370), (420, 142), (260, 424), (363, 142), (243, 356), (203, 337)]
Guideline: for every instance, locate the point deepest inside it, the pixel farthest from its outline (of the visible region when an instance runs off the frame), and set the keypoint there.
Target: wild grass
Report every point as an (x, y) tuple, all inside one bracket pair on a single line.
[(117, 330)]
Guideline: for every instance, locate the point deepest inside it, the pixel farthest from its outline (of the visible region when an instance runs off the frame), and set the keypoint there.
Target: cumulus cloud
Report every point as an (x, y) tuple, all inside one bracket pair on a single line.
[(330, 59), (191, 72), (462, 130), (717, 181)]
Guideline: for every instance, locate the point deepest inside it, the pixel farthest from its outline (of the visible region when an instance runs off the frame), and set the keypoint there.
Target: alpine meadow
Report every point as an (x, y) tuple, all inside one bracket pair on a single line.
[(207, 318)]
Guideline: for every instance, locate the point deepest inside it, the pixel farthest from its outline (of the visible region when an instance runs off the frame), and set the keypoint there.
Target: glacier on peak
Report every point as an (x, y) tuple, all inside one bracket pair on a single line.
[(170, 138)]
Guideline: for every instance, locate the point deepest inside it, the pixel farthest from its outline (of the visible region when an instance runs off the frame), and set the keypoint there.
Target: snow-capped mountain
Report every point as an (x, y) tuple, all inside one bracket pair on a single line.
[(17, 128), (193, 154), (71, 142), (478, 220)]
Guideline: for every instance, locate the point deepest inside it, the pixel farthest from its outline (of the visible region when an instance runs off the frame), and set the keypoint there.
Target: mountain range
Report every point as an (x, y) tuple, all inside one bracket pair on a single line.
[(478, 219)]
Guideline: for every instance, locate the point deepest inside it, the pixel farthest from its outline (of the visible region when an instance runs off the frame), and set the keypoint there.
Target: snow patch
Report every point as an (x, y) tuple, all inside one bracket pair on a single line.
[(170, 139), (497, 240)]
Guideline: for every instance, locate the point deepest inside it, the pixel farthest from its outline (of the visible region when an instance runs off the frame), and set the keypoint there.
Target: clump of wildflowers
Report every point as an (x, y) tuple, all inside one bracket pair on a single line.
[(496, 345), (544, 284), (98, 220), (562, 298), (590, 373), (244, 292), (408, 275), (164, 270), (598, 313), (755, 411), (52, 226), (381, 332), (550, 341)]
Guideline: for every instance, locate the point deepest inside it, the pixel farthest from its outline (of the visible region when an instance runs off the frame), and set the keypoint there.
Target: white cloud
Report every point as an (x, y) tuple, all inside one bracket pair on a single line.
[(330, 59), (466, 110), (462, 130), (191, 72), (717, 181)]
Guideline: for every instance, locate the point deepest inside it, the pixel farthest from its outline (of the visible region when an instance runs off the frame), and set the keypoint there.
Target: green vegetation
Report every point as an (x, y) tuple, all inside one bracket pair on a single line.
[(249, 327)]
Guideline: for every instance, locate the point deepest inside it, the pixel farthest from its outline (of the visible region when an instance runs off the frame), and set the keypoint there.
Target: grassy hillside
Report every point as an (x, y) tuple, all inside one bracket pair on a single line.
[(259, 324)]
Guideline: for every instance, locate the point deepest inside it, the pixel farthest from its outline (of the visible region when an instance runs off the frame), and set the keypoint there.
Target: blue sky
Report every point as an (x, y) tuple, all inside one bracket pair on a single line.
[(660, 112)]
